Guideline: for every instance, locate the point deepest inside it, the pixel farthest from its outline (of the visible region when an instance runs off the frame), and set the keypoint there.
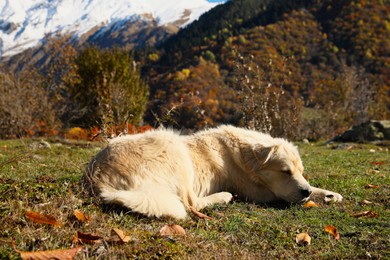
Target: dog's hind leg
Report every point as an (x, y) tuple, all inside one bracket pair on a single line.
[(216, 198), (149, 202)]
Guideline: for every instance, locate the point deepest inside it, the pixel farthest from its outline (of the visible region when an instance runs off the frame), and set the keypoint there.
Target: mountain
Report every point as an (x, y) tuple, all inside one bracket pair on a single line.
[(26, 23)]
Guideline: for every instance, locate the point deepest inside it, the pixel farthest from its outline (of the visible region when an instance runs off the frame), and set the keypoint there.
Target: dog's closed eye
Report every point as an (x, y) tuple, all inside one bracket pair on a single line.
[(288, 172)]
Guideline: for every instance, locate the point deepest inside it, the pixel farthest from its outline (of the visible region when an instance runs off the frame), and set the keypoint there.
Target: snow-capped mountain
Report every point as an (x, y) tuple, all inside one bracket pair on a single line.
[(24, 23)]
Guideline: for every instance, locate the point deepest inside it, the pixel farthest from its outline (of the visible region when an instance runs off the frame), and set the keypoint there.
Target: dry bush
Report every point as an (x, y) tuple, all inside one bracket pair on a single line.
[(347, 100), (360, 94), (265, 105), (24, 105)]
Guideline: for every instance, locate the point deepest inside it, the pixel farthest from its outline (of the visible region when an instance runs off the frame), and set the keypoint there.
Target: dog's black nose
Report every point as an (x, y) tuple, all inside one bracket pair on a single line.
[(306, 192)]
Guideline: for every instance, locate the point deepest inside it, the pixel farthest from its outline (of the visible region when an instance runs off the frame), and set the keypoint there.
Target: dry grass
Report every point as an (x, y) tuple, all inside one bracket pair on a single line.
[(47, 181)]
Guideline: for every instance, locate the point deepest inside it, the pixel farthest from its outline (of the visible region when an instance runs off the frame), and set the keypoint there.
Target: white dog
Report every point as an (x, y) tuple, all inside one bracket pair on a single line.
[(162, 173)]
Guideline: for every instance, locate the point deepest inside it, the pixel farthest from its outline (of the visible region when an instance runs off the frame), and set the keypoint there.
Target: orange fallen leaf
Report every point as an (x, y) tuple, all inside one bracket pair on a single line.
[(378, 163), (50, 254), (199, 214), (368, 214), (333, 230), (370, 186), (310, 204), (42, 218), (87, 238), (118, 236), (171, 230), (303, 239), (81, 217)]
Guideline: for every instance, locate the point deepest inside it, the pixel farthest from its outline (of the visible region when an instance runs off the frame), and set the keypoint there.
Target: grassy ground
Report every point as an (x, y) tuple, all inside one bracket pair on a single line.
[(47, 181)]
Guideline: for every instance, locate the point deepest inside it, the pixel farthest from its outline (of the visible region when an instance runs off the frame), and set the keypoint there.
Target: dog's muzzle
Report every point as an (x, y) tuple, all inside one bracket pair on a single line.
[(306, 193)]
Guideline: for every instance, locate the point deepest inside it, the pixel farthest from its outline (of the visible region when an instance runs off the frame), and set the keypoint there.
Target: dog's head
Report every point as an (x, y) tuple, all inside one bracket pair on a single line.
[(279, 168)]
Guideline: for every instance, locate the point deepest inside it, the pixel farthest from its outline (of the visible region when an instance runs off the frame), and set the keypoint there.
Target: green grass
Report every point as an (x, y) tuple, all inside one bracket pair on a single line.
[(47, 181)]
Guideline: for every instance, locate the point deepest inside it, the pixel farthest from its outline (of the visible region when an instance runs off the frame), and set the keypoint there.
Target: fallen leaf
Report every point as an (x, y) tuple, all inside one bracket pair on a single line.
[(171, 230), (303, 239), (50, 254), (367, 202), (118, 236), (332, 230), (310, 204), (87, 238), (368, 214), (370, 186), (378, 163), (199, 214), (42, 219), (81, 217)]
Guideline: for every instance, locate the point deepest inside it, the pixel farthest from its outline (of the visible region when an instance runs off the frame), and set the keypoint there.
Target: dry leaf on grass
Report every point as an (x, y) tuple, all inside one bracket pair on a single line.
[(42, 218), (303, 239), (371, 171), (310, 204), (378, 163), (371, 186), (171, 230), (199, 214), (333, 230), (366, 202), (367, 214), (87, 238), (50, 254), (118, 236), (81, 217)]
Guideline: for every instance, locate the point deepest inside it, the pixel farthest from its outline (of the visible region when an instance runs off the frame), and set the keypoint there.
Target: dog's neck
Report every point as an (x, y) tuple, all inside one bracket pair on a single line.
[(224, 174)]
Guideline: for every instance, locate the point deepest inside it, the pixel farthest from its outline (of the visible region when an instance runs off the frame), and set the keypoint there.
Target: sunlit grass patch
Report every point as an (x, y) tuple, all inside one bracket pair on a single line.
[(46, 180)]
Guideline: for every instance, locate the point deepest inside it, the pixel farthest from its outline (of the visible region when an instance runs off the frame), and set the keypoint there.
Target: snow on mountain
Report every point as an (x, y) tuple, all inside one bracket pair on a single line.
[(24, 23)]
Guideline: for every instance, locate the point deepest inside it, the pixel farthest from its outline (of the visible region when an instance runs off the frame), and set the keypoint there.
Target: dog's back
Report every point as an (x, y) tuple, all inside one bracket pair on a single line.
[(148, 173)]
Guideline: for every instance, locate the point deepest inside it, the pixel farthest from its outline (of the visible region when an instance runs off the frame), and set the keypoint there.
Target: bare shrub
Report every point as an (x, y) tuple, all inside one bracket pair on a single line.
[(23, 104), (360, 94), (265, 105), (347, 100)]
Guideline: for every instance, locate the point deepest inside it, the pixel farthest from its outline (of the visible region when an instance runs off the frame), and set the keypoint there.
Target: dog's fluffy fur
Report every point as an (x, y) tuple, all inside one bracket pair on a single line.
[(162, 173)]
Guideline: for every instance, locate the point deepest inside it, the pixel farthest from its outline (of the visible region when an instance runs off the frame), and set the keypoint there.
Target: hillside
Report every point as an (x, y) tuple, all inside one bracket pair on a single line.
[(329, 56)]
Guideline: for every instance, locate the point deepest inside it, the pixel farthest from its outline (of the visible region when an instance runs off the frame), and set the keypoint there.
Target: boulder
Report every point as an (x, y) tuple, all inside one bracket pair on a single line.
[(373, 130)]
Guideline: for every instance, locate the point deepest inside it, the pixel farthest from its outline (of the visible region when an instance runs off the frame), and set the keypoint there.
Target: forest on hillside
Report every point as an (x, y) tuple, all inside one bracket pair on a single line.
[(297, 69)]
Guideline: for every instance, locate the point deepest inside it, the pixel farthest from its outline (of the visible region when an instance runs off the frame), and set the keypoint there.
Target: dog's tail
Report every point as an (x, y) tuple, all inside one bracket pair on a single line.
[(148, 202)]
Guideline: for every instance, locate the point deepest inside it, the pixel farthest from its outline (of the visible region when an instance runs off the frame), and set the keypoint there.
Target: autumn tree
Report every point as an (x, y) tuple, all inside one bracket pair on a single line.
[(60, 69), (194, 97)]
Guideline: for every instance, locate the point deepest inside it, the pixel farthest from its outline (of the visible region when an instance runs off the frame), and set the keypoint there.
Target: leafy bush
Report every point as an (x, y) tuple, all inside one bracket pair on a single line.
[(110, 90)]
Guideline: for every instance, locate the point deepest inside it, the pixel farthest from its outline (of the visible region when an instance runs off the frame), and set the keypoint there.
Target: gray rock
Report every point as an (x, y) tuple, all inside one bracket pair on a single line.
[(373, 130)]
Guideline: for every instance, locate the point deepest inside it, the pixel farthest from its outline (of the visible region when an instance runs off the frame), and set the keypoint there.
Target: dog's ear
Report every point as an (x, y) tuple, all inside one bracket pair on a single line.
[(254, 158), (263, 154)]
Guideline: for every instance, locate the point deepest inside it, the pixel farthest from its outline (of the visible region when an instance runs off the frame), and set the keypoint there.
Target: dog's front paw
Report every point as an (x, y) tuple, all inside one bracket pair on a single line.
[(332, 197), (224, 197)]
